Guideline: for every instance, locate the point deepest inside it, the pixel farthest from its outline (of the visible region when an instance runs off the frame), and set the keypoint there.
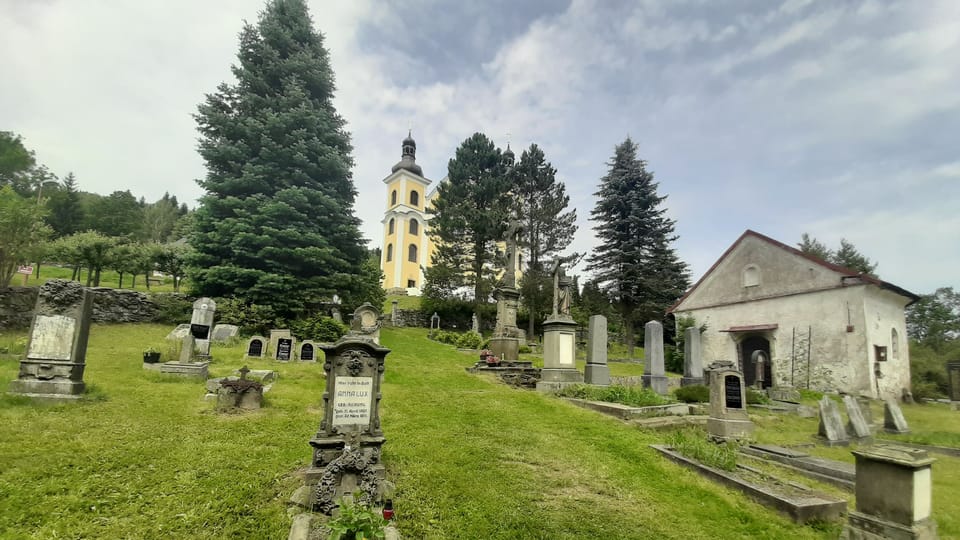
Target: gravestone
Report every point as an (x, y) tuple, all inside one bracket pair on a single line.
[(474, 324), (240, 393), (654, 375), (52, 367), (394, 316), (177, 333), (894, 494), (893, 420), (728, 418), (201, 324), (857, 427), (366, 322), (224, 332), (831, 430), (308, 351), (285, 348), (953, 374), (274, 336), (559, 337), (346, 447), (597, 372), (335, 313), (255, 347), (692, 359)]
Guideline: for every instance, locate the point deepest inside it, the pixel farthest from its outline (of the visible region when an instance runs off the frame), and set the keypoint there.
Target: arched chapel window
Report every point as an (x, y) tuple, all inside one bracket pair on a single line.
[(390, 226), (414, 198), (393, 198), (412, 253), (389, 252), (414, 227)]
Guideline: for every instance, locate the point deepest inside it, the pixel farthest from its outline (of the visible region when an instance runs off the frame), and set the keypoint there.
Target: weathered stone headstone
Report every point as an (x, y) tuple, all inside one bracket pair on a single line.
[(53, 365), (346, 447), (597, 372), (692, 359), (224, 332), (953, 374), (559, 337), (366, 322), (285, 348), (858, 427), (894, 495), (654, 375), (728, 418), (308, 351), (177, 333), (255, 347), (201, 324), (240, 393), (275, 335), (893, 420), (831, 429), (335, 313)]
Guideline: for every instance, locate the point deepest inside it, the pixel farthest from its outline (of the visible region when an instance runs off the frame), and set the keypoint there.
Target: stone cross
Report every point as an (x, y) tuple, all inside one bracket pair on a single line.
[(243, 373)]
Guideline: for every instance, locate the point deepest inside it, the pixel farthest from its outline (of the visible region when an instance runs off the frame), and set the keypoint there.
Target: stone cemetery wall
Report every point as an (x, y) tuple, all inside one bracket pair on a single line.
[(109, 305), (408, 318), (16, 306)]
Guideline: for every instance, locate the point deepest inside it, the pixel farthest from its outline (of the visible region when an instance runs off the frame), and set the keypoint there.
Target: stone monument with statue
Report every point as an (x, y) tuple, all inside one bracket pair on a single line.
[(346, 447), (52, 367), (505, 342), (559, 335)]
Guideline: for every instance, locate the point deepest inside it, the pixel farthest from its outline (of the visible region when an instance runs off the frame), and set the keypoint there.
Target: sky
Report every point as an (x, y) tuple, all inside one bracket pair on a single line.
[(838, 119)]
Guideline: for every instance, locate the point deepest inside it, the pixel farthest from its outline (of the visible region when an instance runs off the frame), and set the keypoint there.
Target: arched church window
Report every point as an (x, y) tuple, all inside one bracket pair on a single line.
[(390, 226), (412, 253), (414, 198), (751, 276), (393, 198), (414, 227), (389, 252)]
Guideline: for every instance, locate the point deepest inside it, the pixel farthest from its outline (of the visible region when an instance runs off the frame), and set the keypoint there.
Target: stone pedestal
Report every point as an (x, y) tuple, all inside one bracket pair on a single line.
[(728, 404), (894, 495), (53, 365), (654, 374), (505, 343), (597, 372), (692, 358), (559, 355)]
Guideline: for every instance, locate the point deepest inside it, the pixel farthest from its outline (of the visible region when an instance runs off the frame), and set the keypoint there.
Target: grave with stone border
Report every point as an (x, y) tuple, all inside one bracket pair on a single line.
[(194, 358), (239, 393), (55, 359)]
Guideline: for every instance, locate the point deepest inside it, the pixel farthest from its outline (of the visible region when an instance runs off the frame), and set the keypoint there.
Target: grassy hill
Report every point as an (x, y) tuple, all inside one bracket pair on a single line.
[(145, 457)]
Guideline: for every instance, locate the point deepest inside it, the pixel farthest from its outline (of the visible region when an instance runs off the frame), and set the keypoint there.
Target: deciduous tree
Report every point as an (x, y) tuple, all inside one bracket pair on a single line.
[(21, 229)]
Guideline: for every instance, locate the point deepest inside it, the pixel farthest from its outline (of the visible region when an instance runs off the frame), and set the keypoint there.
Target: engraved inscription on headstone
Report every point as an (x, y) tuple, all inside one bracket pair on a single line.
[(732, 391), (352, 401), (255, 348), (52, 337), (283, 348), (306, 352)]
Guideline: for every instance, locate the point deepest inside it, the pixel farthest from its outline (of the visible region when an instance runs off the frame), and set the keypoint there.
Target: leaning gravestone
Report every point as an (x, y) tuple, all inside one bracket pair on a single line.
[(346, 447), (654, 374), (858, 426), (728, 404), (177, 333), (224, 332), (201, 324), (831, 430), (255, 347), (597, 372), (53, 365), (893, 420), (692, 359)]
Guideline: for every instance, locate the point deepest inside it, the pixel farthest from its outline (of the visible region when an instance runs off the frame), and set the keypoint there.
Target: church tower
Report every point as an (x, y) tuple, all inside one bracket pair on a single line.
[(406, 245)]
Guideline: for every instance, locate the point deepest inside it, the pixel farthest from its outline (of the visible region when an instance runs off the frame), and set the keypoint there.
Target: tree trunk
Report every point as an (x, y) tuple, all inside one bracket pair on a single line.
[(133, 284), (37, 270), (628, 336), (89, 275), (146, 279), (96, 278), (120, 285)]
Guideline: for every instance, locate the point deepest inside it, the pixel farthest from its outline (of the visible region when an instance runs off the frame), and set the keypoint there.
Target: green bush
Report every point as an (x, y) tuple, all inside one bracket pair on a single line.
[(694, 445), (469, 340), (925, 390), (318, 328), (356, 521), (172, 308), (524, 349), (634, 396), (810, 394), (757, 397), (251, 318), (695, 393)]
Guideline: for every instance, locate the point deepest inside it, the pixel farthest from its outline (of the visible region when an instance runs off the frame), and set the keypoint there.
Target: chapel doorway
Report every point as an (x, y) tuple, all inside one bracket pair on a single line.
[(748, 346)]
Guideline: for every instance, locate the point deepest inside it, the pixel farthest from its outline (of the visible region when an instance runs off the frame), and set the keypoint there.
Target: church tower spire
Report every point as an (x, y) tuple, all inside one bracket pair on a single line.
[(408, 156)]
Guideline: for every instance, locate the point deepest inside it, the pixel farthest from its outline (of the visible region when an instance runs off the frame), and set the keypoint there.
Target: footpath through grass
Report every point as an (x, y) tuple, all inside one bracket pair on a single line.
[(145, 457)]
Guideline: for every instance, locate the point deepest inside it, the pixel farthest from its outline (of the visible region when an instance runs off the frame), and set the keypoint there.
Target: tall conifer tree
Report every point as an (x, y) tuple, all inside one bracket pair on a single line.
[(276, 225), (634, 261)]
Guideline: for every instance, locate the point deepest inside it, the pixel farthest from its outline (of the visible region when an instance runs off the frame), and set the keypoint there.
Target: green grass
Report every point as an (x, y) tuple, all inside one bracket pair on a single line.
[(108, 278), (403, 302), (635, 396), (143, 456)]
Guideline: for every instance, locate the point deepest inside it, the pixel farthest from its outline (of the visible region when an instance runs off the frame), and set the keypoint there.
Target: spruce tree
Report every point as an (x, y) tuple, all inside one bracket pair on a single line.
[(548, 227), (66, 214), (276, 226), (469, 216), (634, 261)]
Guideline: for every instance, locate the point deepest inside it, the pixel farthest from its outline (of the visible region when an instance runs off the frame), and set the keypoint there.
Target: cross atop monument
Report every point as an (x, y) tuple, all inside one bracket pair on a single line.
[(243, 373)]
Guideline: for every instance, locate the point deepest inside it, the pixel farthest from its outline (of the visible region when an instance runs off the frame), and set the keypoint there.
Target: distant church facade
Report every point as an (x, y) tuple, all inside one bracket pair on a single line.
[(821, 326)]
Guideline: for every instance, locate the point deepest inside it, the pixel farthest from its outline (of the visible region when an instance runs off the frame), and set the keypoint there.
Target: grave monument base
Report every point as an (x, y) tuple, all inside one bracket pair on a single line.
[(866, 527), (691, 381), (729, 430), (69, 389), (788, 394), (553, 380), (658, 383), (507, 349), (198, 369), (597, 374)]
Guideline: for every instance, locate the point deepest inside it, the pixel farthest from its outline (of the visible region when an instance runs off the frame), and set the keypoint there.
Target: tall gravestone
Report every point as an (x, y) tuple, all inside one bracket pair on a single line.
[(597, 372), (275, 336), (201, 325), (692, 357), (728, 418), (894, 493), (346, 447), (654, 374), (505, 342), (831, 430), (857, 426), (52, 367), (559, 337), (194, 359)]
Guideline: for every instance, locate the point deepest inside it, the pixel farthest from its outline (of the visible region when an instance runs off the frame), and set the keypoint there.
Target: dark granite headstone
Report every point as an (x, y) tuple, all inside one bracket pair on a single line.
[(732, 392), (306, 352), (255, 348), (284, 346)]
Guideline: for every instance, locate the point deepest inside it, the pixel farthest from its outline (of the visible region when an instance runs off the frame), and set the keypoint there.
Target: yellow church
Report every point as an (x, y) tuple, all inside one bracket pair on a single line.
[(407, 248)]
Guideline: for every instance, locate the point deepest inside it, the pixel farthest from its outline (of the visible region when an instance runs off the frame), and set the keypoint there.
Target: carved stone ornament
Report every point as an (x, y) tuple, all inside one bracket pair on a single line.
[(352, 460)]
